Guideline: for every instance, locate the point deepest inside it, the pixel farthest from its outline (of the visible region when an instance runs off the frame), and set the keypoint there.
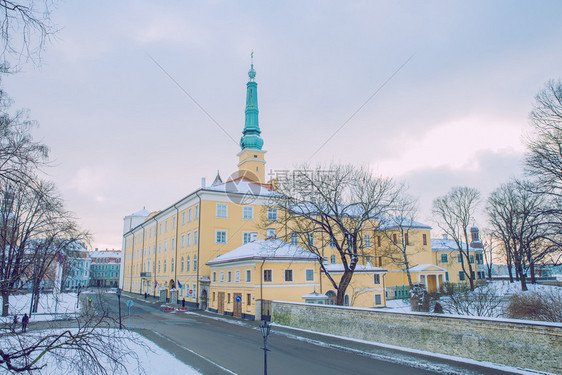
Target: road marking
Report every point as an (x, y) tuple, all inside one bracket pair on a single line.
[(197, 354)]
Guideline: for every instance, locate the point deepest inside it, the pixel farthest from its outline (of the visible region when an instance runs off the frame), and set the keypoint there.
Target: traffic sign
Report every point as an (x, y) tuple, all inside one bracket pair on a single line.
[(190, 291), (238, 298), (130, 303)]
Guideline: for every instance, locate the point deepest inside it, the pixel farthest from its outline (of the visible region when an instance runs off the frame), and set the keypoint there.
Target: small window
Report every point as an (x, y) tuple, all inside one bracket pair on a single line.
[(294, 239), (309, 275), (174, 222), (195, 237), (222, 277), (377, 278), (378, 299), (367, 240), (461, 275), (379, 241), (183, 240), (172, 265), (424, 236), (333, 259), (189, 239), (272, 214), (197, 212), (270, 233), (248, 276), (311, 239), (444, 258), (222, 210), (471, 259), (220, 236), (248, 299), (394, 238), (229, 277), (288, 275), (249, 237), (406, 239), (332, 242), (228, 298), (214, 276), (248, 213), (195, 262), (187, 265), (189, 215), (166, 226), (173, 243), (181, 264), (183, 217), (165, 245), (237, 276), (459, 258), (267, 275), (164, 266)]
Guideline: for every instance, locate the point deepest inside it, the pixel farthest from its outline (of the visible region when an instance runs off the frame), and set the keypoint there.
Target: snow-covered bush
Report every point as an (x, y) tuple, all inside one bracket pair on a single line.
[(545, 306), (485, 300)]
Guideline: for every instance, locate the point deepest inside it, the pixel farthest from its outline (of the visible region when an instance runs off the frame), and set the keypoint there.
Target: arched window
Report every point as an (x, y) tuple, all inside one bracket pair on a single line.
[(331, 297)]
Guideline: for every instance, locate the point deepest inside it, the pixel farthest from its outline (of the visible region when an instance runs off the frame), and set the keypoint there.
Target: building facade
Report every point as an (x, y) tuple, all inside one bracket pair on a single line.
[(210, 247), (105, 268)]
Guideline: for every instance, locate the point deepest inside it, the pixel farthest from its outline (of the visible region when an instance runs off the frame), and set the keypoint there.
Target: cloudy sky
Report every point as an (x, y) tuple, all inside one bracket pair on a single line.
[(124, 135)]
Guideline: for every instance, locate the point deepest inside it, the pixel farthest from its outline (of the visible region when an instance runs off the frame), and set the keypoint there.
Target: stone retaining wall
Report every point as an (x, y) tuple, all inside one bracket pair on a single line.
[(514, 343)]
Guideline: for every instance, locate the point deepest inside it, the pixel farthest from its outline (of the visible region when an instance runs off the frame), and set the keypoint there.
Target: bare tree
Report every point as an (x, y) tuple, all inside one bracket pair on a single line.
[(544, 159), (514, 213), (489, 250), (396, 229), (20, 155), (331, 210), (454, 213), (27, 215), (25, 27), (89, 344)]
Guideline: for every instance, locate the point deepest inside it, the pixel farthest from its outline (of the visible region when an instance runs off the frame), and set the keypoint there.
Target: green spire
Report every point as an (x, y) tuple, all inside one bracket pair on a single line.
[(251, 138)]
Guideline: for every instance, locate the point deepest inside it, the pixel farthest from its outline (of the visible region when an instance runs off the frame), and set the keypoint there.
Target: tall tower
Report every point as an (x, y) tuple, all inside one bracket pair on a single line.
[(251, 160)]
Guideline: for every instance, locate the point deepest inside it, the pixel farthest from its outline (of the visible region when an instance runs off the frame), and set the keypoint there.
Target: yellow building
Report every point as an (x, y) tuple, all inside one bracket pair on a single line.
[(185, 249)]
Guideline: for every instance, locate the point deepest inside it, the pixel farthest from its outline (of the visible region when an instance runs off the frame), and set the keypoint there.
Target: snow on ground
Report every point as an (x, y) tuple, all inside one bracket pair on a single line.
[(500, 288), (64, 308), (148, 358), (153, 359)]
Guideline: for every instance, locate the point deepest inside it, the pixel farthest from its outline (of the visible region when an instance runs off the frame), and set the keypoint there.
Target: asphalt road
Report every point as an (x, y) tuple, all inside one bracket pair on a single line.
[(219, 345)]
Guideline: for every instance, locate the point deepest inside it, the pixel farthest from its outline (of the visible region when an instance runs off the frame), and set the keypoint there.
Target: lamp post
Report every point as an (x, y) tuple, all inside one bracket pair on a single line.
[(119, 298), (265, 328)]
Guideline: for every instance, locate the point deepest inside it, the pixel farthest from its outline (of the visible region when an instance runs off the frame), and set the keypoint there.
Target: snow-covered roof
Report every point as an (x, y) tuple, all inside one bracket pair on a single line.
[(424, 267), (141, 213), (447, 244), (315, 295), (265, 249), (105, 254), (359, 268), (241, 185), (402, 222)]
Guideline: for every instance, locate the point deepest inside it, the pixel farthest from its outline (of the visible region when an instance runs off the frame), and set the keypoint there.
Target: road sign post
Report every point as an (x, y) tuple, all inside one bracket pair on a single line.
[(130, 304)]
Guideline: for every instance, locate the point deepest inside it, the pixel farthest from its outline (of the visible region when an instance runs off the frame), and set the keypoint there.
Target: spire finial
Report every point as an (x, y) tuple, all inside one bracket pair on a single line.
[(252, 72)]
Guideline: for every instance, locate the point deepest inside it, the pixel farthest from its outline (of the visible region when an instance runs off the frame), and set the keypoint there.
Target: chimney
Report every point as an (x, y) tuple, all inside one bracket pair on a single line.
[(203, 183), (445, 237)]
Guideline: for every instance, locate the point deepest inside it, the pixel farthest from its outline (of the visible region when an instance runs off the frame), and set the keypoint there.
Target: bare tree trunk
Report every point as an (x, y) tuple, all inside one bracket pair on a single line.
[(5, 303)]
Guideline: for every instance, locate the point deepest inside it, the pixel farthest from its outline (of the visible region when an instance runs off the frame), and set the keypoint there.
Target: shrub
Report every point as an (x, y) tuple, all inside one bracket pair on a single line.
[(545, 306)]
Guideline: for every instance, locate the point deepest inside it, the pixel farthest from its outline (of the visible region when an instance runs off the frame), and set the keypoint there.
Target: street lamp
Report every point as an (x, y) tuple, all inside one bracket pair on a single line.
[(119, 298), (265, 328)]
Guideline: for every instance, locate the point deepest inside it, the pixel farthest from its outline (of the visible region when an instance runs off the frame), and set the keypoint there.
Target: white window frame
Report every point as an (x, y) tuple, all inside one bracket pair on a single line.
[(248, 213), (248, 237), (237, 276), (307, 272), (222, 211), (248, 276), (222, 277), (220, 240), (272, 214)]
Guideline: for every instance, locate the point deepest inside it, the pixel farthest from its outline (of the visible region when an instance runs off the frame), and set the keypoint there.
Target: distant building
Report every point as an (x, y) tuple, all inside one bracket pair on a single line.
[(105, 268), (76, 271)]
